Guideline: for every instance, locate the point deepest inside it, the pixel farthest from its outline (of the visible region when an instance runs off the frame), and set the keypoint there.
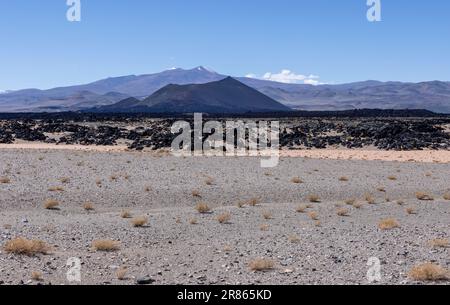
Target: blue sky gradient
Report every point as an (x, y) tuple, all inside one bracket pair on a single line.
[(39, 48)]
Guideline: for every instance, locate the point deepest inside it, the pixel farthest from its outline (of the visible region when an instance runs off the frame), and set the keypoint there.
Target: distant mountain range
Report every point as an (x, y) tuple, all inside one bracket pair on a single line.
[(433, 96), (224, 96)]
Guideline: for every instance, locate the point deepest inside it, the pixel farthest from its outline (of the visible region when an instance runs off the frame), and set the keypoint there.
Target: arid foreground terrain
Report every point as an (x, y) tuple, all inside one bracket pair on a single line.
[(151, 218)]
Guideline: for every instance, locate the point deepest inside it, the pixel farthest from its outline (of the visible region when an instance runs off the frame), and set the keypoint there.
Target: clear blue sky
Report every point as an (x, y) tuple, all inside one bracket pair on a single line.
[(329, 38)]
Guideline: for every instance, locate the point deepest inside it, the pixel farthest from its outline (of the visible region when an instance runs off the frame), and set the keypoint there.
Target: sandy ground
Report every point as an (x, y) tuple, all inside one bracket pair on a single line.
[(428, 156), (171, 250)]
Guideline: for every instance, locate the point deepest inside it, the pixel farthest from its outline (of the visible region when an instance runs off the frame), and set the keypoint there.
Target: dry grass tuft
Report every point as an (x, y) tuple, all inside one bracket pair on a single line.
[(224, 218), (392, 178), (357, 205), (264, 227), (302, 208), (389, 223), (381, 189), (261, 264), (294, 239), (314, 198), (196, 193), (87, 206), (64, 180), (23, 246), (447, 196), (350, 201), (369, 198), (440, 243), (105, 245), (411, 211), (400, 202), (5, 180), (343, 212), (121, 273), (202, 208), (296, 180), (36, 276), (125, 214), (139, 222), (51, 204), (343, 179), (193, 221), (56, 189), (313, 215), (267, 215), (209, 181), (424, 196), (428, 272), (253, 202)]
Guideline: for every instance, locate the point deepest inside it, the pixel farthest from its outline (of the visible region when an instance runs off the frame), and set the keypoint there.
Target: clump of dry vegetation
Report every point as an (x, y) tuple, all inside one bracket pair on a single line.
[(87, 206), (313, 215), (125, 214), (253, 202), (440, 243), (428, 272), (350, 201), (121, 274), (56, 189), (261, 264), (23, 246), (5, 180), (447, 196), (296, 180), (424, 196), (343, 179), (193, 221), (392, 178), (64, 180), (105, 245), (389, 223), (411, 211), (369, 198), (139, 222), (264, 227), (400, 202), (196, 193), (294, 239), (314, 198), (343, 212), (224, 218), (240, 204), (267, 215), (202, 208), (302, 208), (209, 181), (51, 204), (357, 205), (36, 276)]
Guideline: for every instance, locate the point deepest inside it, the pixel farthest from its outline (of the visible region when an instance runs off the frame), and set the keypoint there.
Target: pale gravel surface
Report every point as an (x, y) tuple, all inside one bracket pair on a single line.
[(176, 252)]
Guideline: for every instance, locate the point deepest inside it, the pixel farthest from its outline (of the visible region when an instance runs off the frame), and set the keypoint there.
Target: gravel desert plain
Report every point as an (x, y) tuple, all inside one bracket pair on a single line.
[(339, 202)]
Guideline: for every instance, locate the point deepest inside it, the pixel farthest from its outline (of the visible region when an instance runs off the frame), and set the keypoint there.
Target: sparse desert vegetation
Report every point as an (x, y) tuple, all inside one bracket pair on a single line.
[(88, 206), (36, 276), (343, 179), (343, 212), (224, 218), (446, 196), (424, 196), (139, 222), (51, 204), (302, 208), (125, 214), (105, 245), (370, 199), (5, 180), (428, 272), (440, 243), (296, 180), (388, 224), (261, 264), (23, 246), (314, 198), (313, 215), (202, 208)]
